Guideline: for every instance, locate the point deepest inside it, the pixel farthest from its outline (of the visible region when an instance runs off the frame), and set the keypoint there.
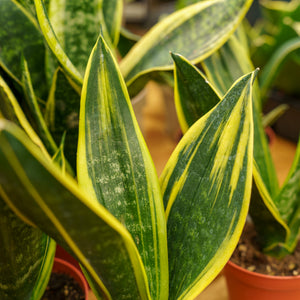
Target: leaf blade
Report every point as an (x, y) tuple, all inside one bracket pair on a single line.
[(26, 257), (54, 43), (113, 160), (88, 231), (195, 192), (151, 52), (194, 96)]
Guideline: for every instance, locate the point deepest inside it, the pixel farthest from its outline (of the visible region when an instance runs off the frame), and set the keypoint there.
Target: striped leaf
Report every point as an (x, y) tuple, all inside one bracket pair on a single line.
[(112, 13), (115, 168), (77, 25), (206, 188), (54, 44), (35, 109), (15, 21), (39, 194), (194, 95), (11, 110), (222, 67), (195, 32), (26, 256)]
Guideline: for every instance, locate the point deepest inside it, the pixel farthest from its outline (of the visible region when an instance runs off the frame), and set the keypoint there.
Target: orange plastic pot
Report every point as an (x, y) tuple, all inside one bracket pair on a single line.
[(245, 285), (62, 266)]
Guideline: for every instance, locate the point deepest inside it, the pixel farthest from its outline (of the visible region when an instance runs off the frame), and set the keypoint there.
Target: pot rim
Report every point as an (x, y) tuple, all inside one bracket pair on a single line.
[(260, 275), (60, 265)]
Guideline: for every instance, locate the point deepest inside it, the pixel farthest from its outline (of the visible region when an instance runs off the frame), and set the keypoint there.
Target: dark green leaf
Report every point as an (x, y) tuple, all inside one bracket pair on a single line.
[(113, 160), (208, 178)]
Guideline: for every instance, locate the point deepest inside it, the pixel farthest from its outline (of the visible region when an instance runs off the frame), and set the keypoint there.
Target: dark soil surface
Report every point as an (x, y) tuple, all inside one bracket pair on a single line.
[(63, 287), (248, 256)]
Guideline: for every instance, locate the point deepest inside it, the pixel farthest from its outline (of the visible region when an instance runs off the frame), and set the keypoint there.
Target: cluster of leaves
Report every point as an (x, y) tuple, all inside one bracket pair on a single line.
[(134, 235), (274, 210), (89, 183)]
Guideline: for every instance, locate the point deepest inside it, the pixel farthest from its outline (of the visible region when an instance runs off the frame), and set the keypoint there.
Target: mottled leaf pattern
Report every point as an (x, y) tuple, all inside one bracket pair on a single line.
[(54, 44), (194, 95), (205, 26), (208, 179), (114, 165), (26, 256), (41, 195), (20, 35), (76, 25), (62, 113), (11, 110)]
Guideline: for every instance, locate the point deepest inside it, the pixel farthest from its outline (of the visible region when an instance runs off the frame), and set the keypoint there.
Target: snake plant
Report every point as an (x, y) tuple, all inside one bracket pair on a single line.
[(96, 191), (274, 210)]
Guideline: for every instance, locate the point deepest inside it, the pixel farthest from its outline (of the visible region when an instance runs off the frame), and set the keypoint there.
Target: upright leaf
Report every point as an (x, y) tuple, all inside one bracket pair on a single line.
[(208, 178), (205, 25), (62, 114), (126, 41), (26, 256), (14, 22), (112, 13), (35, 109), (11, 110), (194, 95), (41, 195), (54, 44), (113, 160), (76, 25), (224, 66)]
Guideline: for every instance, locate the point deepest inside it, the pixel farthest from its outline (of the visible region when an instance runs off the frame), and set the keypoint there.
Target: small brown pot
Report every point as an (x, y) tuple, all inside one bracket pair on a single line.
[(245, 285), (62, 266)]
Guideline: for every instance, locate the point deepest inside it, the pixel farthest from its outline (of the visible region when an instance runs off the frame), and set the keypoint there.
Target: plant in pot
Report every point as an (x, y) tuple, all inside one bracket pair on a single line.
[(136, 237), (273, 209)]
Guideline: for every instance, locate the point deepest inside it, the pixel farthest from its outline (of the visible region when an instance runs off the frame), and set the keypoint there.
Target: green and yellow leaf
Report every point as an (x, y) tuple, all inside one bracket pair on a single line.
[(194, 95), (112, 13), (41, 195), (208, 178), (195, 32), (11, 110), (26, 256), (14, 22), (54, 43), (114, 166), (35, 109), (231, 61)]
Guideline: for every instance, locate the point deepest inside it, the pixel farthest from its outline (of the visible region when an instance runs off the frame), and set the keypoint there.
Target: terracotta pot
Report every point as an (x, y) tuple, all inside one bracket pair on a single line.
[(63, 254), (62, 266), (245, 285)]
